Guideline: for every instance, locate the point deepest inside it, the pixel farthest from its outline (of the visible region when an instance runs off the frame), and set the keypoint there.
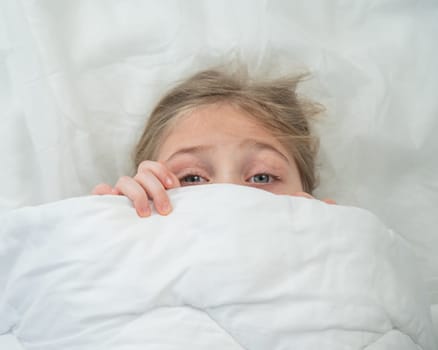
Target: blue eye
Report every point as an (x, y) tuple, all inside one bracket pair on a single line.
[(261, 178), (192, 179)]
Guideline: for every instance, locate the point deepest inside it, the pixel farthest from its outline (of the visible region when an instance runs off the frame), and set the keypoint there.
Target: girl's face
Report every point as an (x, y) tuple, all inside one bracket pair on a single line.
[(220, 144)]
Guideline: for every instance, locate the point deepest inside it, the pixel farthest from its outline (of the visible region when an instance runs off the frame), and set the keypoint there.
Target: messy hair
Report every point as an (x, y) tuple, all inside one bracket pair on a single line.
[(273, 103)]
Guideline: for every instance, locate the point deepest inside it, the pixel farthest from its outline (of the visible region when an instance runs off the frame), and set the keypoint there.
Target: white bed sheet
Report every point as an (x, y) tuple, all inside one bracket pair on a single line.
[(9, 342), (232, 268), (77, 80)]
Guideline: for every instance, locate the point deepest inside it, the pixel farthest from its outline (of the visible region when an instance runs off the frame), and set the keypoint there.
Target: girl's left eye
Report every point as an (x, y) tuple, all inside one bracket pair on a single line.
[(262, 178)]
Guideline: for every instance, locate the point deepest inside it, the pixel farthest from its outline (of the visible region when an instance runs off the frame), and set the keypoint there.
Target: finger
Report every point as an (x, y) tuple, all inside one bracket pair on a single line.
[(161, 171), (303, 194), (116, 192), (155, 190), (329, 201), (102, 189), (136, 193)]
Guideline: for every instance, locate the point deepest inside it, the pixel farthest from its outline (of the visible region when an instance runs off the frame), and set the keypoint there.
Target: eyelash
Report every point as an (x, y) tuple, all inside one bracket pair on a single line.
[(273, 177), (191, 173)]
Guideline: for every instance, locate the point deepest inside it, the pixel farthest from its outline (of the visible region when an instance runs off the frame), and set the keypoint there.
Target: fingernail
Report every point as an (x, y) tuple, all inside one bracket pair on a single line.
[(145, 211), (169, 181), (166, 208)]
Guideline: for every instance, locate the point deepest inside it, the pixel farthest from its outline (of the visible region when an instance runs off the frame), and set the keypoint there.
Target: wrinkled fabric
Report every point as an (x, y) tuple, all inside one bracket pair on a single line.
[(79, 78), (231, 267)]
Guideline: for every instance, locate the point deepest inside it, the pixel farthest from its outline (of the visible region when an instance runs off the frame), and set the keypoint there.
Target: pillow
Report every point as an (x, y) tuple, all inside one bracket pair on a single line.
[(231, 267)]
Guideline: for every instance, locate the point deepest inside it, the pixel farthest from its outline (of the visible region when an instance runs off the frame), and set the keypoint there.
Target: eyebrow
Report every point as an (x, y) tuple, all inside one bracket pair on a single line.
[(246, 143), (190, 150), (263, 146)]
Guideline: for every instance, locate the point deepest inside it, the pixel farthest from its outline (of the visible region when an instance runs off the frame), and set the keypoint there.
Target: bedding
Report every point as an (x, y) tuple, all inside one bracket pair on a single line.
[(231, 267), (78, 79)]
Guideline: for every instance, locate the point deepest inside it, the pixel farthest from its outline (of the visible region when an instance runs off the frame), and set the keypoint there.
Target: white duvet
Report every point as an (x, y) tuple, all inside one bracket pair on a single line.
[(231, 268)]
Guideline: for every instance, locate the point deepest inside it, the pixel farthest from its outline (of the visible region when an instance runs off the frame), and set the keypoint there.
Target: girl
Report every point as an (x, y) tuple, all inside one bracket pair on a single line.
[(218, 127)]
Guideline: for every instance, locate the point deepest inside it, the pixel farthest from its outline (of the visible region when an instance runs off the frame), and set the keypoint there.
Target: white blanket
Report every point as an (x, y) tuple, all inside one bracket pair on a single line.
[(231, 268), (79, 78)]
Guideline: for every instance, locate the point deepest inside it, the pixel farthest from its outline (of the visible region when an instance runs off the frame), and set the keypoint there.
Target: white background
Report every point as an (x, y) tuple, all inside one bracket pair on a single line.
[(78, 79)]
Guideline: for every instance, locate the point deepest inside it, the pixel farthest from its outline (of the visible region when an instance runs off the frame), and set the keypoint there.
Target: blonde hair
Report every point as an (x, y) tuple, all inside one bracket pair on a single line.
[(272, 103)]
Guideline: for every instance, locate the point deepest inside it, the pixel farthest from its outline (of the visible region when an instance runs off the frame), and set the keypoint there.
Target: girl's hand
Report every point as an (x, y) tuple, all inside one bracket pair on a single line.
[(305, 194), (151, 182)]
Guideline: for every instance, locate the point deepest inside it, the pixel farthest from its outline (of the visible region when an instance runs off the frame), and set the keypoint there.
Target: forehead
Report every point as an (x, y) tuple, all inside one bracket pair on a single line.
[(217, 125), (218, 121)]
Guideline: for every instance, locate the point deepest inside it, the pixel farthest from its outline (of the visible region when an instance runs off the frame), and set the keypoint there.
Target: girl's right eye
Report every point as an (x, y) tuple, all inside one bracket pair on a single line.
[(192, 179)]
